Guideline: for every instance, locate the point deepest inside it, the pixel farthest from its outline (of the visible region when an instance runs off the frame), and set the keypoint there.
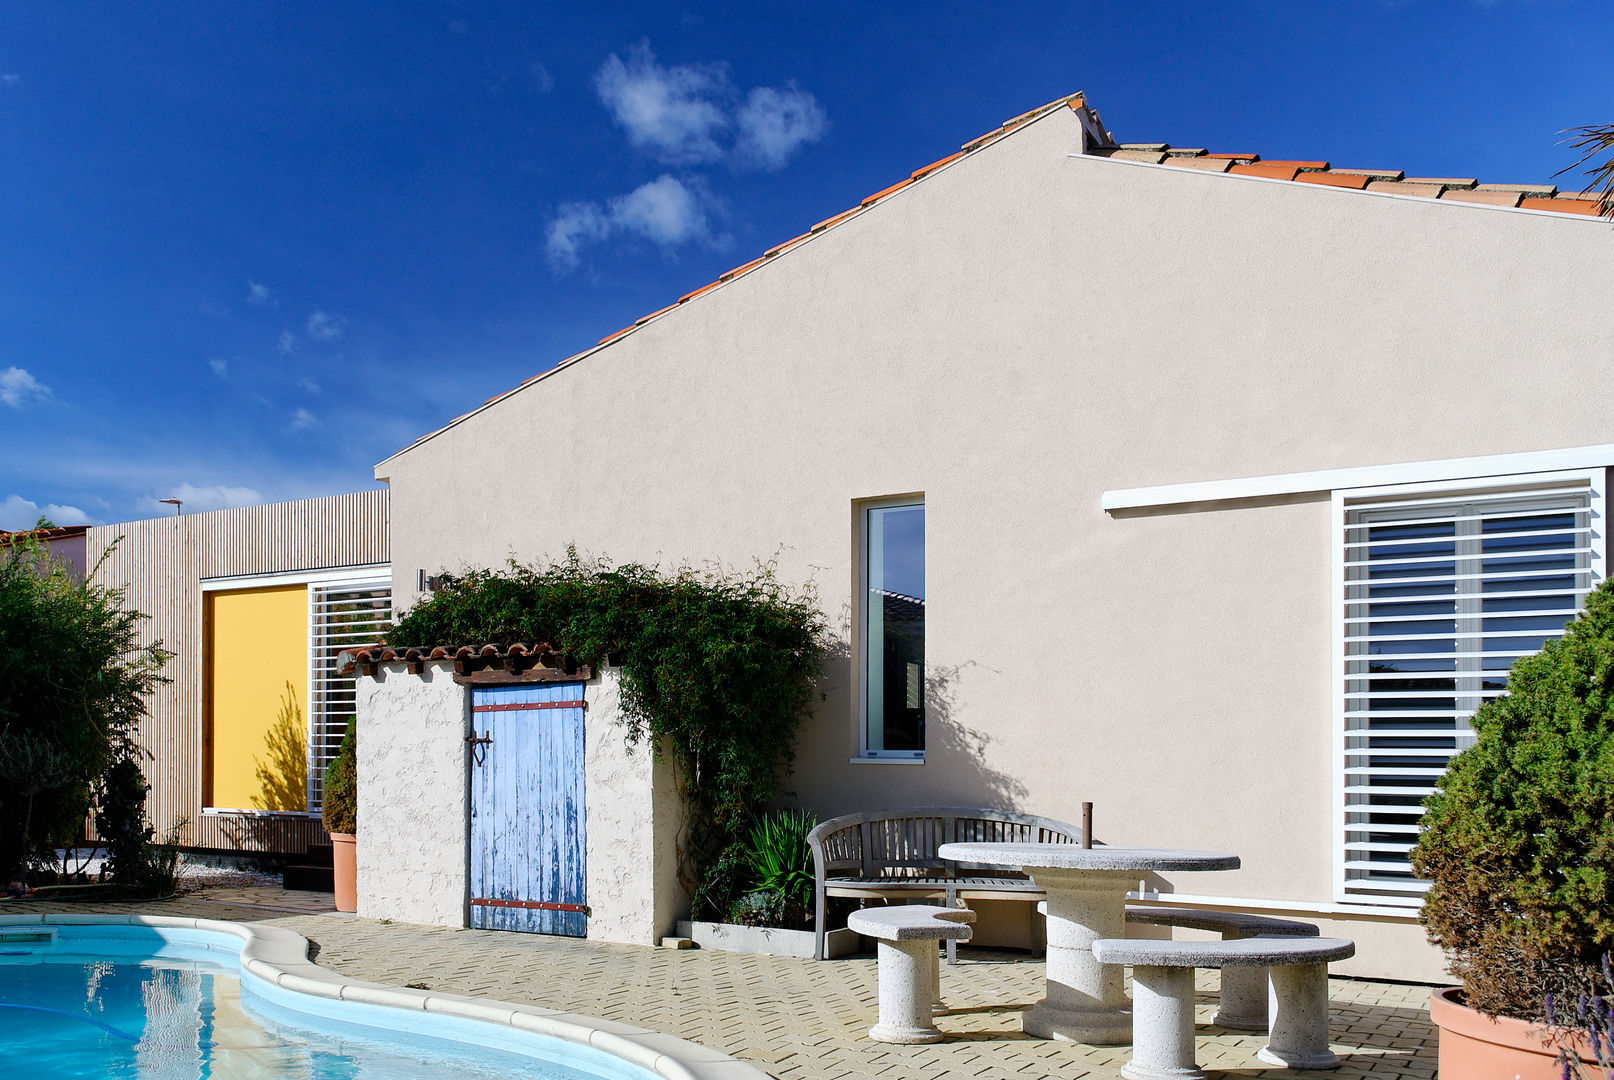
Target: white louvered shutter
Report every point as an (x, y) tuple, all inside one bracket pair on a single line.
[(1443, 590), (341, 616)]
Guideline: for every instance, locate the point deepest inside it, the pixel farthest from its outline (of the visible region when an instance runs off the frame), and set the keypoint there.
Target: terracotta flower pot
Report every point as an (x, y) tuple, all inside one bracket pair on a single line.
[(344, 858), (1479, 1047)]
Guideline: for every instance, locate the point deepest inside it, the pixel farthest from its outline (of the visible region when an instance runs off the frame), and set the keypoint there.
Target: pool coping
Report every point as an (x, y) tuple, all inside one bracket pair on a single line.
[(280, 956)]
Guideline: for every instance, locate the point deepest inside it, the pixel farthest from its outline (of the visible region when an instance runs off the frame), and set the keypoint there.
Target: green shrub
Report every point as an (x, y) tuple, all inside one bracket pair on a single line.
[(339, 808), (780, 865), (1518, 840), (74, 682), (718, 668)]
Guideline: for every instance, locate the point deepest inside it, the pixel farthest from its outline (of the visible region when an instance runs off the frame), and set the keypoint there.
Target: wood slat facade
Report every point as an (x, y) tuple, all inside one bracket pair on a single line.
[(162, 563)]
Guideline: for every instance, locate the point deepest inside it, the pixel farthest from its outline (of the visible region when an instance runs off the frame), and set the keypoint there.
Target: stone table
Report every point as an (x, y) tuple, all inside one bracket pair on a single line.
[(1085, 1000)]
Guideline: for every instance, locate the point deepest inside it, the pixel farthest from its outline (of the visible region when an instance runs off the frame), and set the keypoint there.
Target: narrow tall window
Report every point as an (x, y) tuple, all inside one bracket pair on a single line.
[(894, 630), (1444, 588)]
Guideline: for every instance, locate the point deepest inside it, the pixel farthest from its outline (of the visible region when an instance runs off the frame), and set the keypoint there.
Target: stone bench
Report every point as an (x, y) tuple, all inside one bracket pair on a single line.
[(1243, 1002), (909, 966), (1163, 998)]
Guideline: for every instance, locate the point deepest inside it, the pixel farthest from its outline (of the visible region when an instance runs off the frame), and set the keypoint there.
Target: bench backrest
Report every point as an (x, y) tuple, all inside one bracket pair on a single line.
[(903, 843)]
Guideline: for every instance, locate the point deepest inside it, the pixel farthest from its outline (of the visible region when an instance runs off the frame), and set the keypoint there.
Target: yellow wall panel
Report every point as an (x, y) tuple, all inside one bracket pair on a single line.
[(256, 656)]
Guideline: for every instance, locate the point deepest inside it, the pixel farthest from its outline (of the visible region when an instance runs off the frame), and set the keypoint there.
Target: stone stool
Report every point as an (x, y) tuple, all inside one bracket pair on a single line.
[(1163, 999), (1242, 1005), (910, 967)]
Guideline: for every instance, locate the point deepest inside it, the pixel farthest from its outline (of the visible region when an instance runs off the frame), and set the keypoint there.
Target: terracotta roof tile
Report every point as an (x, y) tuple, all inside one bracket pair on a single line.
[(1563, 205), (1273, 172), (1484, 198), (1400, 187), (792, 242), (878, 195), (1333, 179), (1301, 166), (646, 318), (1157, 147), (1186, 151), (1372, 174), (687, 297), (613, 337), (1208, 163), (1247, 158), (738, 270), (836, 220), (1443, 181), (1152, 157), (1538, 191), (934, 165)]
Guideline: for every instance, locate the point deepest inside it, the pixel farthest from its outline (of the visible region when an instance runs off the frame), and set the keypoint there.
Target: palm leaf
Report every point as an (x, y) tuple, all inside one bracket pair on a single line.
[(1596, 144)]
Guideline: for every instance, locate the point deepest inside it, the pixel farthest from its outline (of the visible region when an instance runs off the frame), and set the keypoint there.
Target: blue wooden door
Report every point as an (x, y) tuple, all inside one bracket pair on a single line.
[(527, 811)]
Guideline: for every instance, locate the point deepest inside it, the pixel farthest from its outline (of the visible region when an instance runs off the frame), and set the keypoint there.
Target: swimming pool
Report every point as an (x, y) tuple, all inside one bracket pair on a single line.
[(185, 999)]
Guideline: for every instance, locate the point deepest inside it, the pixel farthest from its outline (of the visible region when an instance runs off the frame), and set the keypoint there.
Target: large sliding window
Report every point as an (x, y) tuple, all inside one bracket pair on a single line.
[(1443, 586), (274, 708), (893, 630)]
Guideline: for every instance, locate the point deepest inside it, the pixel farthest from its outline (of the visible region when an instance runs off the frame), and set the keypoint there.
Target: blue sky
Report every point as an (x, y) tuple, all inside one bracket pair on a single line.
[(248, 250)]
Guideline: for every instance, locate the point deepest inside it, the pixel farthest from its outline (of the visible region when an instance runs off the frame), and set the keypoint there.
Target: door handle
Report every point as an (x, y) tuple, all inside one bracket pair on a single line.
[(479, 747)]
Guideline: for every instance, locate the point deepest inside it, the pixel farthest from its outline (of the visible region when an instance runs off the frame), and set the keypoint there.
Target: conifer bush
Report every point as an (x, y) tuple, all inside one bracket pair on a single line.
[(1518, 839)]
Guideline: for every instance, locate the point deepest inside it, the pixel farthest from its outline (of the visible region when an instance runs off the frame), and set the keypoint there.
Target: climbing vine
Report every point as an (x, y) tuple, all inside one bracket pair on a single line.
[(719, 667)]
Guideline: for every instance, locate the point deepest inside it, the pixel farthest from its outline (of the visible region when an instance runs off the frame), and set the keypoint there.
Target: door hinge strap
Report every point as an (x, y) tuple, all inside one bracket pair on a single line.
[(537, 905), (519, 706)]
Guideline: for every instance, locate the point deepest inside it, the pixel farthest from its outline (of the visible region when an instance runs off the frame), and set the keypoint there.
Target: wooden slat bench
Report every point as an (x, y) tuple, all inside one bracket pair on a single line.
[(891, 854)]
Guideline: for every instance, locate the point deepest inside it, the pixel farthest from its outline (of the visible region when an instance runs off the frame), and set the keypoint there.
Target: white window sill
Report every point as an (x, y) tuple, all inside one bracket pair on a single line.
[(887, 761)]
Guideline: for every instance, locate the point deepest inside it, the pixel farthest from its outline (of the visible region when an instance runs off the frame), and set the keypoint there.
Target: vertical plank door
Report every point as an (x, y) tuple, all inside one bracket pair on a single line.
[(527, 810)]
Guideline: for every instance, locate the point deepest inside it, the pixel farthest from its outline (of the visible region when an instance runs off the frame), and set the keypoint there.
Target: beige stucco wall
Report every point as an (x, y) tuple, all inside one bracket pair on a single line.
[(414, 783), (633, 818), (1012, 336), (413, 854)]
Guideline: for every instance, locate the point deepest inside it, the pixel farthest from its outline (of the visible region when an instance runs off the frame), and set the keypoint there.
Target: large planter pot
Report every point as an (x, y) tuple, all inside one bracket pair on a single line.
[(344, 860), (1479, 1047)]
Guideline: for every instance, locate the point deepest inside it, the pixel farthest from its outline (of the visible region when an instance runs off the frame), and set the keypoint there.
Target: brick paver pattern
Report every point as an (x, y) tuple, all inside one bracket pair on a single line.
[(797, 1019)]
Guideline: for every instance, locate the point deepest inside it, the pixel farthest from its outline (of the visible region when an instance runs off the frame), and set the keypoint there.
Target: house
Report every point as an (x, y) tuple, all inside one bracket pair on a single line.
[(1226, 488), (64, 544), (255, 604)]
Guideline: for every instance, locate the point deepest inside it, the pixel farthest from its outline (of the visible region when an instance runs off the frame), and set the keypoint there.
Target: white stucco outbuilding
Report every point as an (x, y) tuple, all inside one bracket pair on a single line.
[(463, 824)]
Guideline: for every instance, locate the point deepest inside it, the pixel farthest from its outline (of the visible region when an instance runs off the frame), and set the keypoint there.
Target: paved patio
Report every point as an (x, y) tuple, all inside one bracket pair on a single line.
[(796, 1019)]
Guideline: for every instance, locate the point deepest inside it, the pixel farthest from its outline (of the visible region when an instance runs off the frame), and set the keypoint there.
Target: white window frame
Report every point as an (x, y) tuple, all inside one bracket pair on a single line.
[(866, 755), (374, 575), (1596, 481)]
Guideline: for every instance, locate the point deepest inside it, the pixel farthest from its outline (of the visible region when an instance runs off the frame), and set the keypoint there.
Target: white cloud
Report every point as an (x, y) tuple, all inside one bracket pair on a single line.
[(775, 121), (220, 368), (674, 114), (287, 343), (18, 388), (11, 79), (17, 512), (302, 420), (195, 499), (324, 327), (665, 211), (542, 80), (310, 385), (262, 295)]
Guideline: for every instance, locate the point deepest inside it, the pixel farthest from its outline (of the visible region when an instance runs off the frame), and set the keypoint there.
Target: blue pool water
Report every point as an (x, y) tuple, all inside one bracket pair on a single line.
[(126, 1002)]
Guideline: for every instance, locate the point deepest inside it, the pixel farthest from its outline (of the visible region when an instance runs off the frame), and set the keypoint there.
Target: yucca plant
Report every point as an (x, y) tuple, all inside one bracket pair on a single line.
[(1596, 141), (780, 866)]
